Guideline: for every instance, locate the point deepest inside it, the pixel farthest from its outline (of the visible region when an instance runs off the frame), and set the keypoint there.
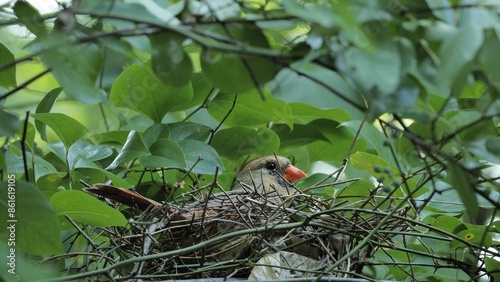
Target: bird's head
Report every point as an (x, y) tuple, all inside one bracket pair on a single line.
[(268, 174)]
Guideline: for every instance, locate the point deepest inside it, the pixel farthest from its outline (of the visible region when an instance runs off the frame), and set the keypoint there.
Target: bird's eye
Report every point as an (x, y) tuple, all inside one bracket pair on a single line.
[(271, 166)]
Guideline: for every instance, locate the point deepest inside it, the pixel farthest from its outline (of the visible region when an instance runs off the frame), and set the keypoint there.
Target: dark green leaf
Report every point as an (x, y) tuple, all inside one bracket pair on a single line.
[(189, 130), (44, 107), (301, 135), (449, 224), (133, 12), (235, 73), (134, 148), (155, 132), (118, 136), (137, 88), (373, 136), (240, 141), (492, 267), (67, 129), (250, 110), (7, 75), (37, 228), (169, 61), (82, 152), (375, 70), (75, 66), (305, 113), (86, 209), (30, 17), (210, 160), (473, 236), (462, 182), (164, 153), (9, 123), (456, 53)]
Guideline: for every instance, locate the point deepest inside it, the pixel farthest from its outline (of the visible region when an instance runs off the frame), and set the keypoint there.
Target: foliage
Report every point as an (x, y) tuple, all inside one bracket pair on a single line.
[(162, 96)]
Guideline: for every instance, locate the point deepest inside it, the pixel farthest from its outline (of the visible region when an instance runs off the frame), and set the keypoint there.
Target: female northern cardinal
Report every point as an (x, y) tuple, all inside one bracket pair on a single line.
[(270, 175), (262, 175)]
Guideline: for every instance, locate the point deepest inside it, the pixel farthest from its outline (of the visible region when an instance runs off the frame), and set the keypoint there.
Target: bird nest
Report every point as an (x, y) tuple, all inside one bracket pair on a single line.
[(234, 233)]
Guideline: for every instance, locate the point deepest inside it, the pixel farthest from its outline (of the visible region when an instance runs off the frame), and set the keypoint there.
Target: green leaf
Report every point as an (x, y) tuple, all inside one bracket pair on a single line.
[(164, 153), (86, 209), (44, 107), (155, 132), (7, 75), (134, 148), (377, 69), (314, 86), (369, 162), (75, 66), (189, 130), (37, 228), (9, 123), (373, 136), (30, 17), (40, 166), (133, 12), (240, 141), (82, 154), (304, 113), (492, 268), (250, 109), (488, 51), (67, 129), (456, 53), (236, 73), (115, 136), (301, 135), (340, 140), (137, 88), (473, 236), (210, 160), (449, 224), (462, 182), (169, 61)]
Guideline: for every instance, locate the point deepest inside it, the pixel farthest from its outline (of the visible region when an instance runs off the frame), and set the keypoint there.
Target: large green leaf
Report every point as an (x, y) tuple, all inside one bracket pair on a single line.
[(373, 136), (35, 225), (164, 153), (75, 66), (134, 148), (137, 88), (462, 183), (44, 107), (86, 209), (10, 123), (305, 113), (203, 155), (377, 69), (240, 141), (83, 154), (301, 135), (67, 129), (189, 130), (456, 53), (169, 61), (7, 75), (30, 17), (237, 73), (250, 110)]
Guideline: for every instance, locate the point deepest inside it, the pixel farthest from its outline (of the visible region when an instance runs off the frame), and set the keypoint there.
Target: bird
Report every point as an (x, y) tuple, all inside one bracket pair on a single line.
[(268, 174), (266, 180)]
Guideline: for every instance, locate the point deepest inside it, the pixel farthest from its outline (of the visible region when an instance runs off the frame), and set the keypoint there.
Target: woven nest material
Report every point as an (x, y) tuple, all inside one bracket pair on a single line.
[(227, 233)]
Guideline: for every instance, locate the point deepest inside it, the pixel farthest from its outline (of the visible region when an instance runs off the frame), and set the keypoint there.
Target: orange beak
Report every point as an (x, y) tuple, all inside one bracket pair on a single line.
[(293, 174)]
